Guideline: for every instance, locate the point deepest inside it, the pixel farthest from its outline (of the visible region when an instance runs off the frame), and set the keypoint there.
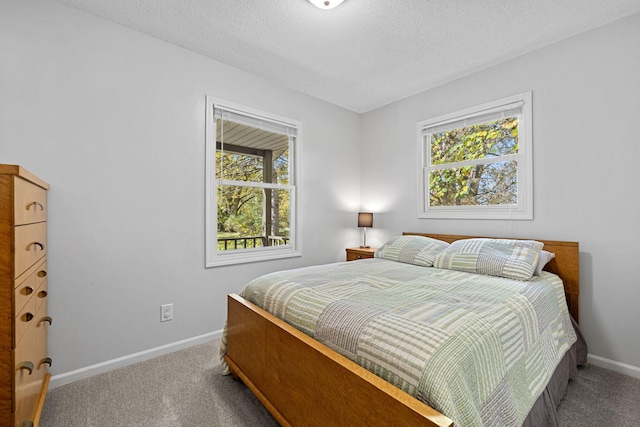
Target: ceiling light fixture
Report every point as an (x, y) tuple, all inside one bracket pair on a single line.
[(326, 4)]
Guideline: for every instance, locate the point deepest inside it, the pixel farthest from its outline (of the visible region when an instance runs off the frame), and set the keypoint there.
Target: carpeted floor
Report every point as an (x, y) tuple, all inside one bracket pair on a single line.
[(186, 388), (600, 397), (181, 389)]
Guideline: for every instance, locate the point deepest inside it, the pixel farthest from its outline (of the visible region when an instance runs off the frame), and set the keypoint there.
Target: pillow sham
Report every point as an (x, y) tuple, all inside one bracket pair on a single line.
[(513, 259), (545, 257), (416, 250)]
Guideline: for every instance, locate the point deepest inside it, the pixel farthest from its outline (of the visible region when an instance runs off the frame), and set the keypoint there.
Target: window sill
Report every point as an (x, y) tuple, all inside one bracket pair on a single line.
[(238, 257), (484, 212)]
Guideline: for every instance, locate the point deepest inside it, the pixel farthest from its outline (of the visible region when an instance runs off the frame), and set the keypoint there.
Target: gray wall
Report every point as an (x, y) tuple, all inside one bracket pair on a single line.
[(114, 121), (586, 101)]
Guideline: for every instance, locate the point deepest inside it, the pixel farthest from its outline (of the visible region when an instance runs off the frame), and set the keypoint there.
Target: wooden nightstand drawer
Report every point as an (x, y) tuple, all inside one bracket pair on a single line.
[(354, 254)]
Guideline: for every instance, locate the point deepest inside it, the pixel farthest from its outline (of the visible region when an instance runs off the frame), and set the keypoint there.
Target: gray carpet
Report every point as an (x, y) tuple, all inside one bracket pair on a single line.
[(600, 397), (181, 389), (186, 389)]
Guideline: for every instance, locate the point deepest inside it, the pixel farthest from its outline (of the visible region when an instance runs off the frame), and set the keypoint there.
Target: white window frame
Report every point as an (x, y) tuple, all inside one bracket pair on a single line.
[(215, 258), (524, 208)]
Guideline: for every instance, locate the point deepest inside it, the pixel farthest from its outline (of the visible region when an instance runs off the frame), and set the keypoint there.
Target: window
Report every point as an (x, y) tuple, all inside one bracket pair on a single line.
[(251, 185), (477, 163)]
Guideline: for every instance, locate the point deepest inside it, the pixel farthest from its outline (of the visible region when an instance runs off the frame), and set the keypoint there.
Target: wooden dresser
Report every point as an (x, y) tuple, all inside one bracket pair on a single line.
[(24, 361)]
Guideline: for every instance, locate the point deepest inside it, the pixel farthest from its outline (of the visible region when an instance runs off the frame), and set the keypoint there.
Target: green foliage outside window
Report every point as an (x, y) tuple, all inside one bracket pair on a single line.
[(487, 181), (240, 208)]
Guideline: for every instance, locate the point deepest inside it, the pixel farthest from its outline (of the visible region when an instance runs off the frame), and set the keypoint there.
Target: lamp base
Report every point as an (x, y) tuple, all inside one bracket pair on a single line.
[(365, 247)]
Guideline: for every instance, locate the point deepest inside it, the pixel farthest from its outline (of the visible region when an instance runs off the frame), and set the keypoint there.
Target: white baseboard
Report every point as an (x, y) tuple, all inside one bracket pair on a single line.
[(612, 365), (99, 368)]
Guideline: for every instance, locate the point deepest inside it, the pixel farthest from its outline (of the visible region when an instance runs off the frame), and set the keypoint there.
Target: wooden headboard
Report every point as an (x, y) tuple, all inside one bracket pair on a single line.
[(566, 264)]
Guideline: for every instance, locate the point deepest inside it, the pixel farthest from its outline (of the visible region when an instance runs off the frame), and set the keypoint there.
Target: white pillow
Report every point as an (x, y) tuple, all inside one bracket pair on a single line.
[(545, 257)]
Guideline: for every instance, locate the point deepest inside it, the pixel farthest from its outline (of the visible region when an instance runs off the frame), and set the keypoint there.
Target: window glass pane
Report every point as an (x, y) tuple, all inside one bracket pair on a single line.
[(487, 184), (479, 141), (239, 167), (251, 217), (244, 153), (239, 217)]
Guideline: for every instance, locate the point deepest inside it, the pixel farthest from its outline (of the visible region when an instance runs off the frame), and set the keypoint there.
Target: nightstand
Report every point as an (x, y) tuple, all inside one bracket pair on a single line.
[(360, 253)]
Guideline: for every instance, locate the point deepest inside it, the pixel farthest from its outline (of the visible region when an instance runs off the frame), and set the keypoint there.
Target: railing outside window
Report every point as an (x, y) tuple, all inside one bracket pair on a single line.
[(231, 243)]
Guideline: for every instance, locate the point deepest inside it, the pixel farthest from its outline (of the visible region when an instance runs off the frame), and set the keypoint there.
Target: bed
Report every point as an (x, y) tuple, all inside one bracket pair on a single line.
[(302, 381)]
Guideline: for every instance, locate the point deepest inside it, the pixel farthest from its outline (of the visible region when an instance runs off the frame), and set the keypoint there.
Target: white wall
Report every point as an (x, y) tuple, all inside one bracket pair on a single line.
[(586, 101), (114, 121)]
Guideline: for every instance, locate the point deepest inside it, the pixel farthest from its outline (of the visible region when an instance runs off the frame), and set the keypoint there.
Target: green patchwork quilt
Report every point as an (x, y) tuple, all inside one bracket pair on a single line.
[(479, 349)]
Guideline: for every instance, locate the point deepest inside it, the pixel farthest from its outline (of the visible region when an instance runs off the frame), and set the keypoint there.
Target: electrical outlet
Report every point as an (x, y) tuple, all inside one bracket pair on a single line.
[(166, 312)]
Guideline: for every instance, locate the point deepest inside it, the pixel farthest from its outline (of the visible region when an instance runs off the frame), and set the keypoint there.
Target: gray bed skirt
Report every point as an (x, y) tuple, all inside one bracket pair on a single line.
[(544, 411)]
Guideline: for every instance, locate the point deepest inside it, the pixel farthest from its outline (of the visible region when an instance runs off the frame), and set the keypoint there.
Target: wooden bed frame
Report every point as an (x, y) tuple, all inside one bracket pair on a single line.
[(303, 382)]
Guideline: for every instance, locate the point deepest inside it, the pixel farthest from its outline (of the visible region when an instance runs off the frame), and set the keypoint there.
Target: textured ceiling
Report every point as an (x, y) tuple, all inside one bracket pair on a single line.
[(364, 53)]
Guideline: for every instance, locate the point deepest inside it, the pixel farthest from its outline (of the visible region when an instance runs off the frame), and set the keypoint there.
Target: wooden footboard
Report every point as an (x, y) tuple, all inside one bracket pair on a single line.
[(305, 383)]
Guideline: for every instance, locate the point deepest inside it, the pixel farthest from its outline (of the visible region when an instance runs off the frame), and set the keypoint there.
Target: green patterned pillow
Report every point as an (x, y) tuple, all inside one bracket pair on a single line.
[(513, 259), (417, 250)]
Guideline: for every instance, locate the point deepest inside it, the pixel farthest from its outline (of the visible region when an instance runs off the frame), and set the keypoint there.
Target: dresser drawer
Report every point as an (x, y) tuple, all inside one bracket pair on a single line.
[(41, 295), (30, 369), (29, 202), (23, 321), (30, 246), (41, 273), (31, 284), (23, 293)]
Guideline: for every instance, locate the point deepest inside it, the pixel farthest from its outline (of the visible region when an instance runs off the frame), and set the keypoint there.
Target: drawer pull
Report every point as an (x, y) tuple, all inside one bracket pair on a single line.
[(26, 366), (38, 244), (46, 360), (42, 294), (42, 273), (47, 319), (27, 317), (36, 204), (27, 290)]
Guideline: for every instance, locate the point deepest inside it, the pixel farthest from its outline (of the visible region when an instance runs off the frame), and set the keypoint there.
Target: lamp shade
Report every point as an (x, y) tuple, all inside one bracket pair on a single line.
[(365, 219)]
